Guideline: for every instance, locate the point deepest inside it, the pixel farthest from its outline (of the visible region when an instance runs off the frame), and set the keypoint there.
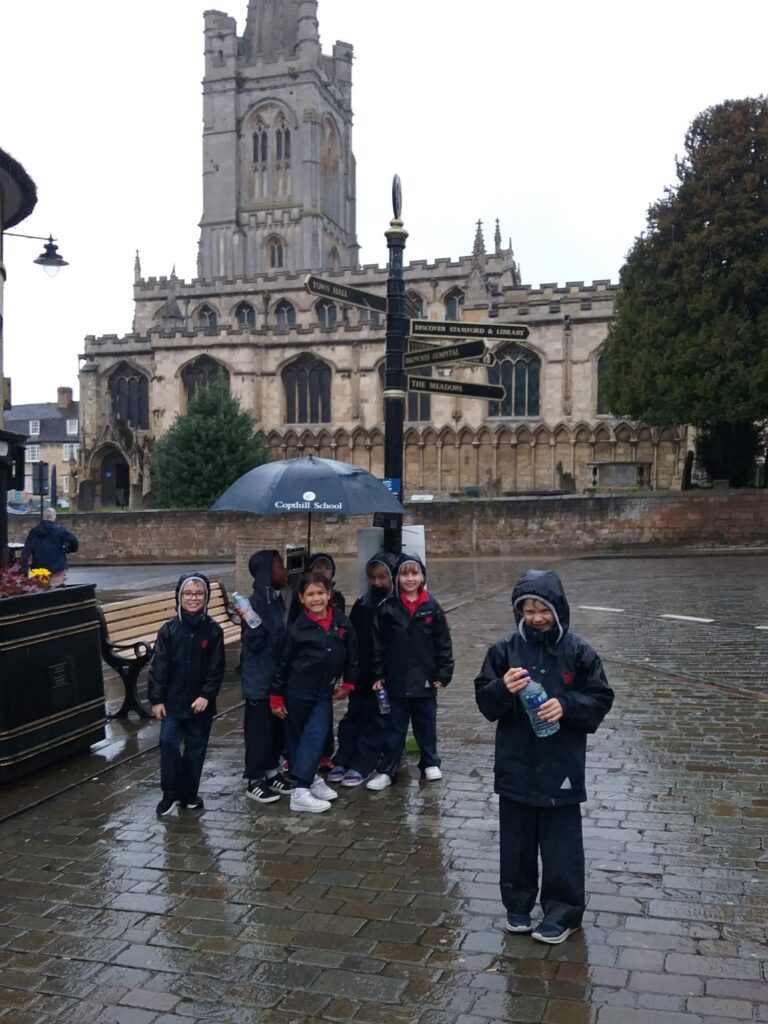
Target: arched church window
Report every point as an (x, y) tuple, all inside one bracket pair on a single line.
[(307, 387), (246, 315), (602, 404), (518, 370), (417, 302), (330, 163), (369, 316), (275, 252), (327, 314), (200, 373), (129, 397), (454, 303), (285, 315), (260, 159), (419, 407), (282, 157), (207, 318)]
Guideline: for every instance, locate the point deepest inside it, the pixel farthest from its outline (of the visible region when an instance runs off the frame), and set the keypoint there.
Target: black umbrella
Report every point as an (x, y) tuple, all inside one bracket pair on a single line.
[(307, 485)]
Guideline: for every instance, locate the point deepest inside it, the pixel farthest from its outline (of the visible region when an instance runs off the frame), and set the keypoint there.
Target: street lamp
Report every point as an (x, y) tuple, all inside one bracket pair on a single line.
[(49, 259), (394, 374)]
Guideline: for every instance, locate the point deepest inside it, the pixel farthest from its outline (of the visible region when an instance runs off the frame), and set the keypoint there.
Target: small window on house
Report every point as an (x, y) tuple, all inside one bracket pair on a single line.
[(33, 453), (64, 484), (285, 315), (34, 428), (70, 451), (28, 482), (72, 427)]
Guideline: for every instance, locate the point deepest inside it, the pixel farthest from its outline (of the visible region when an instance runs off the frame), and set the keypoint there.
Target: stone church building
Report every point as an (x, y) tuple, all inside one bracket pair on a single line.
[(279, 201)]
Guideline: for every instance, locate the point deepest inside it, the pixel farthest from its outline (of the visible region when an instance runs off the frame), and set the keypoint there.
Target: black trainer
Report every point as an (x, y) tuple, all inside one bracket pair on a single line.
[(281, 783), (166, 805), (195, 804), (261, 793)]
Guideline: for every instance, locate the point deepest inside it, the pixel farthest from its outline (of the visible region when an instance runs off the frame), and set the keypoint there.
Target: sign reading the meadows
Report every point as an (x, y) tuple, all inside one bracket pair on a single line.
[(309, 503), (491, 392)]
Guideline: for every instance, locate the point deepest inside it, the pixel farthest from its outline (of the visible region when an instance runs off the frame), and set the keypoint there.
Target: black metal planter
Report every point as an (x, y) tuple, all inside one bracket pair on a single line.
[(51, 682)]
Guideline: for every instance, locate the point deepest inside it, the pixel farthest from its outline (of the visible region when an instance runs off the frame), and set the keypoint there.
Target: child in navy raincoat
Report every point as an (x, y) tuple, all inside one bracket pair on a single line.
[(540, 780)]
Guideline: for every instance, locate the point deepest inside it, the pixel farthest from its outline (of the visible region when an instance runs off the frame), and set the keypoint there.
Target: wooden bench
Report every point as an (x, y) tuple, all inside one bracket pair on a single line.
[(129, 630)]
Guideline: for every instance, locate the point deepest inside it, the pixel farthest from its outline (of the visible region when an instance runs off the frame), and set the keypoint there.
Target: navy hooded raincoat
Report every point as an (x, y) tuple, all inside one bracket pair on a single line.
[(262, 646), (549, 771)]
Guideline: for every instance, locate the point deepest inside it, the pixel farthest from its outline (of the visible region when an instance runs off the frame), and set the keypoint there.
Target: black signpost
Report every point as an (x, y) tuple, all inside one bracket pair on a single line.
[(343, 293), (427, 355), (459, 329), (490, 392)]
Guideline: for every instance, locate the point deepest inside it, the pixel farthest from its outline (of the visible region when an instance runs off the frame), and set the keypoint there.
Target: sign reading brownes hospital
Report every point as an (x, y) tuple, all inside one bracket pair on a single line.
[(458, 329)]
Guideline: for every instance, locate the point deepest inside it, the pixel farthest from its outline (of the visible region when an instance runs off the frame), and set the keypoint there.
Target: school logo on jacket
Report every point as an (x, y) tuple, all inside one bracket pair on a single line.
[(341, 632), (568, 678), (204, 643)]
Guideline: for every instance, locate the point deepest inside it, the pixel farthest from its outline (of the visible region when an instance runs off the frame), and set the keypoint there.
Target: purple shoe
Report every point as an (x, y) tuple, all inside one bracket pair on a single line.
[(352, 778)]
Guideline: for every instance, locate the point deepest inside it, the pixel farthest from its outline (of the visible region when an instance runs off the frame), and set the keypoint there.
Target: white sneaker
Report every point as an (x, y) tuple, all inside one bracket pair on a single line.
[(379, 781), (321, 791), (302, 800), (433, 773)]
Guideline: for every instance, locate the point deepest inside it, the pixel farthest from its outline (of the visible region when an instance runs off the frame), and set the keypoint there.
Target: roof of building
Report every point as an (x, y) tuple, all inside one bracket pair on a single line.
[(53, 421), (20, 192)]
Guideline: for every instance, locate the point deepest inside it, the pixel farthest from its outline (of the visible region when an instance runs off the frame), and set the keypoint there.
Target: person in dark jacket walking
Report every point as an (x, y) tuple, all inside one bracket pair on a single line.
[(361, 730), (540, 780), (318, 664), (413, 658), (46, 547), (261, 648), (185, 676)]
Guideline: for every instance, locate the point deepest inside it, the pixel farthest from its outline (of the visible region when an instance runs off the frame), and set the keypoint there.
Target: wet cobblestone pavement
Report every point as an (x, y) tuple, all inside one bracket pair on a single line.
[(386, 909)]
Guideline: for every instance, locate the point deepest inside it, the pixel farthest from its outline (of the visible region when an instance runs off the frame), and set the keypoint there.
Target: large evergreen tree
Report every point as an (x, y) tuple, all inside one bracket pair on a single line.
[(689, 341), (205, 451)]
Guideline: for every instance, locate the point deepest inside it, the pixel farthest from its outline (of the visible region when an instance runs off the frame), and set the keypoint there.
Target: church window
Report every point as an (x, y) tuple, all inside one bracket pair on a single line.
[(602, 404), (419, 409), (200, 374), (260, 158), (129, 397), (327, 314), (307, 387), (417, 302), (330, 162), (282, 157), (369, 316), (454, 303), (274, 253), (285, 315), (246, 315), (518, 370), (207, 318)]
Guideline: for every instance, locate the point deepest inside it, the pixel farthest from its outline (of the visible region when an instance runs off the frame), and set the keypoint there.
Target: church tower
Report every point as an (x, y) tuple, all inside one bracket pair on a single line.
[(278, 168)]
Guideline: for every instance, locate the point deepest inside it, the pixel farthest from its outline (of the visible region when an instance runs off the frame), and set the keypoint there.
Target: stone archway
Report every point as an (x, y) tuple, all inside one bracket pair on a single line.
[(115, 480)]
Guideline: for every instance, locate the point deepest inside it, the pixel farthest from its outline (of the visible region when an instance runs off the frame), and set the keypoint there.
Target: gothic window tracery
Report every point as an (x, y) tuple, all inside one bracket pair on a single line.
[(260, 159), (419, 408), (275, 253), (454, 303), (282, 157), (330, 162), (418, 303), (207, 318), (129, 397), (602, 404), (200, 373), (327, 314), (246, 315), (518, 370), (285, 315), (307, 388)]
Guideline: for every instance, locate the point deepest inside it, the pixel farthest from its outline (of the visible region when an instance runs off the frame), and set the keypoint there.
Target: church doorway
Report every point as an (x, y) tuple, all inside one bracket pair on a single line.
[(115, 481)]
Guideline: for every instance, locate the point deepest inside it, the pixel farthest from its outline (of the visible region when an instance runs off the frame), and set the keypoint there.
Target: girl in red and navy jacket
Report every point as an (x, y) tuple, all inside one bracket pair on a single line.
[(413, 658), (320, 652)]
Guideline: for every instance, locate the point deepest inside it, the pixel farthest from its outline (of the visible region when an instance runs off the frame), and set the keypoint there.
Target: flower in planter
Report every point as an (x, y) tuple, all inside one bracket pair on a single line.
[(14, 583)]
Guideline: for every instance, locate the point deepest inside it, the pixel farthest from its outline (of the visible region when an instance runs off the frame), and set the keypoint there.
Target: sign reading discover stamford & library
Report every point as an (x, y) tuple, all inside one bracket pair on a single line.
[(459, 329)]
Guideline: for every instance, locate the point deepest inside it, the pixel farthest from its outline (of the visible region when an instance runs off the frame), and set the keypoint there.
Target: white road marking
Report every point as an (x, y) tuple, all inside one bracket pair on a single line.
[(600, 608), (761, 627), (687, 618)]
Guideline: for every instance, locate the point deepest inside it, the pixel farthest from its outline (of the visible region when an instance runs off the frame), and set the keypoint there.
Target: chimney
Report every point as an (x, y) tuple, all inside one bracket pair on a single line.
[(65, 398)]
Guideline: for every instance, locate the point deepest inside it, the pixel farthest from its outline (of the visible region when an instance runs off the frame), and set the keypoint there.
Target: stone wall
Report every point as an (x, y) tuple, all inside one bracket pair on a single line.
[(454, 528)]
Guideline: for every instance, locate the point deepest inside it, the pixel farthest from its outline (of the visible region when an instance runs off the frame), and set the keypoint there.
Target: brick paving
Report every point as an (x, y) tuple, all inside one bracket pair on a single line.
[(386, 909)]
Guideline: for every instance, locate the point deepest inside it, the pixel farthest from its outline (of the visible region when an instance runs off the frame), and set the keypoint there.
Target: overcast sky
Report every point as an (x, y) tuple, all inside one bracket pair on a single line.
[(562, 119)]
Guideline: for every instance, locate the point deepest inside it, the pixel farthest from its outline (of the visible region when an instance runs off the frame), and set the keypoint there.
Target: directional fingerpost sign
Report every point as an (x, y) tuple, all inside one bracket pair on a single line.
[(342, 293), (446, 353), (458, 329), (491, 392)]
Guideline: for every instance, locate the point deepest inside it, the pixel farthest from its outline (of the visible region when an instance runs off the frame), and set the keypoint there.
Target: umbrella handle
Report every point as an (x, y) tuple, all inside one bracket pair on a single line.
[(309, 534)]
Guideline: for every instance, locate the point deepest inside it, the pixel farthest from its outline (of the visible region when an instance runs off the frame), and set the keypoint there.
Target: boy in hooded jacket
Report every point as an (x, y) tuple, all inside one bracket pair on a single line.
[(261, 648), (361, 730), (185, 676), (412, 658), (540, 780)]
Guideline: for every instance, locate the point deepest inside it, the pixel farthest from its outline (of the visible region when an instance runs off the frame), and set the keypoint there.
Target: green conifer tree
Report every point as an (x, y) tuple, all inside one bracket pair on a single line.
[(688, 345), (205, 450)]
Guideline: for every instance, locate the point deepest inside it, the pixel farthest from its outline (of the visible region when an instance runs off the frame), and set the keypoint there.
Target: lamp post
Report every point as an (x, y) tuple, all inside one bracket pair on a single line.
[(49, 259), (394, 373)]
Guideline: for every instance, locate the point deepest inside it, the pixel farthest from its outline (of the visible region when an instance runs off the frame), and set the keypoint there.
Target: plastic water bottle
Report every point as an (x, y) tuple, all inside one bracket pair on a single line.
[(245, 611), (533, 696), (382, 701)]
